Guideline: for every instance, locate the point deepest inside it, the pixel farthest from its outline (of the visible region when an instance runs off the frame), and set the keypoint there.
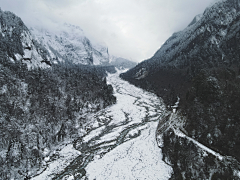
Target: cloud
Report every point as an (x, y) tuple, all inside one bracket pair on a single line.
[(133, 29)]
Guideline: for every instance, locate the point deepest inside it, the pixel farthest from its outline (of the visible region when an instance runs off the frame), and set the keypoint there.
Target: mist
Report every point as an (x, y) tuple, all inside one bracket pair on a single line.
[(132, 29)]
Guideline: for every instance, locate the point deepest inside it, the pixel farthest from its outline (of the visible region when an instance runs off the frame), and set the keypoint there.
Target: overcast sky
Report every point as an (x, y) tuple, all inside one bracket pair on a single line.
[(133, 29)]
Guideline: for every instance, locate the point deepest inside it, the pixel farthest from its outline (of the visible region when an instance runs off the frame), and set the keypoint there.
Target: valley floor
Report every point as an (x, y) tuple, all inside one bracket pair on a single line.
[(122, 144)]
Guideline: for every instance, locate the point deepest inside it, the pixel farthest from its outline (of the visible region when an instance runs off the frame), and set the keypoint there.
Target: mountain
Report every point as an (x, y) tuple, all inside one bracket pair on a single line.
[(38, 47), (210, 41), (42, 47), (122, 63), (44, 103), (201, 66), (17, 43), (208, 37), (70, 44)]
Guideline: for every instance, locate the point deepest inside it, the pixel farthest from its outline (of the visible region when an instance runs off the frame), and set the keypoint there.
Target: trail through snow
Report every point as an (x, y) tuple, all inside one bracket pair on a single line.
[(123, 145)]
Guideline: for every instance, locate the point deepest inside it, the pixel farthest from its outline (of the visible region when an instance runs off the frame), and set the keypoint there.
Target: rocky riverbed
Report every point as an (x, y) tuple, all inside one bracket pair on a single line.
[(121, 144)]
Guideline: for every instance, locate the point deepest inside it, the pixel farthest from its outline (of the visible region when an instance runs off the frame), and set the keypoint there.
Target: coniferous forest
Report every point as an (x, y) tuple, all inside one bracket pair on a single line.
[(39, 109), (54, 93), (205, 75)]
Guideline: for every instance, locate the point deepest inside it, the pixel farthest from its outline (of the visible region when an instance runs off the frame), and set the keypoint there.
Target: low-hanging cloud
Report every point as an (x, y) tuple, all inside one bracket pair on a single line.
[(133, 29)]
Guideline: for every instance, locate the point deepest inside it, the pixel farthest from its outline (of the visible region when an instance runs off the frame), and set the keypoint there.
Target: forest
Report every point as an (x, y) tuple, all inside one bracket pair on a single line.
[(209, 99), (39, 109), (201, 67)]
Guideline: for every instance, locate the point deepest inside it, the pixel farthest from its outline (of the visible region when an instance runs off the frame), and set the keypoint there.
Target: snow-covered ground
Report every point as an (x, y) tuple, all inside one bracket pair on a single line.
[(181, 134), (66, 155), (140, 157), (123, 146)]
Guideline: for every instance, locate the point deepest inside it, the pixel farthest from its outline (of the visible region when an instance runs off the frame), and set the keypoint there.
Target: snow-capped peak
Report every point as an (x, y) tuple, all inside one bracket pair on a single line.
[(69, 43)]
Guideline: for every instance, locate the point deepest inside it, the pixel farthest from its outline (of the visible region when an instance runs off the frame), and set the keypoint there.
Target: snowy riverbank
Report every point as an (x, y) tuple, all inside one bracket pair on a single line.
[(123, 144)]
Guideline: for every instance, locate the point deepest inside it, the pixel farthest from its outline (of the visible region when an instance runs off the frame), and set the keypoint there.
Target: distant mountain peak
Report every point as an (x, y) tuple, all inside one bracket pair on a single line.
[(122, 63), (72, 26), (42, 46), (69, 43)]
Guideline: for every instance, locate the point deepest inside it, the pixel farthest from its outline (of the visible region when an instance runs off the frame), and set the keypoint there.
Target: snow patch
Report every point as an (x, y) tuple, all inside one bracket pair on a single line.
[(139, 157), (136, 159), (18, 57), (93, 133), (142, 73), (66, 155)]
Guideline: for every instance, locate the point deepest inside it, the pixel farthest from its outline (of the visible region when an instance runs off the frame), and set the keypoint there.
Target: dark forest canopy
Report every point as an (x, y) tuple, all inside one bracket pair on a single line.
[(201, 65), (35, 103)]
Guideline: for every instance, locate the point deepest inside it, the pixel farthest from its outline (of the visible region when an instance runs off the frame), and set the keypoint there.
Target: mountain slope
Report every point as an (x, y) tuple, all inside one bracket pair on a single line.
[(18, 44), (207, 37), (43, 105), (38, 47), (200, 65), (70, 44), (122, 63), (210, 42)]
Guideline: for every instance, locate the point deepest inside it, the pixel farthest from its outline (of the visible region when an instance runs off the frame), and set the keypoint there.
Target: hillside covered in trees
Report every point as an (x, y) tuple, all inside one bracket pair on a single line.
[(201, 66), (40, 108)]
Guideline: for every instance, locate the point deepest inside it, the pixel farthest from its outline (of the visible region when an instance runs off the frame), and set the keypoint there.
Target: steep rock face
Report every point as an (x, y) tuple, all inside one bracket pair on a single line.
[(40, 47), (16, 42), (70, 44), (101, 55)]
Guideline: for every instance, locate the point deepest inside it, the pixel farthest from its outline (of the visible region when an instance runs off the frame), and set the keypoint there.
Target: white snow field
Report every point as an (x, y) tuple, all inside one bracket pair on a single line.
[(140, 157), (123, 146), (66, 155)]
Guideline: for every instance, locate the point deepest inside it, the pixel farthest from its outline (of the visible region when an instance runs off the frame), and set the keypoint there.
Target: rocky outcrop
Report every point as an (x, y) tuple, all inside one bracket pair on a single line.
[(17, 43)]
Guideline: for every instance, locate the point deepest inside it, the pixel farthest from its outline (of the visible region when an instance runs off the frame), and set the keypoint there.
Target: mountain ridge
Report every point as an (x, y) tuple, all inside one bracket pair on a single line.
[(41, 47), (17, 42), (71, 45), (201, 66), (43, 104), (204, 44)]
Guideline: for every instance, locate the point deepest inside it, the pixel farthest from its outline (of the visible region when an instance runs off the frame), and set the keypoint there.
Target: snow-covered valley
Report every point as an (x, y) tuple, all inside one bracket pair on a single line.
[(122, 145), (68, 110)]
